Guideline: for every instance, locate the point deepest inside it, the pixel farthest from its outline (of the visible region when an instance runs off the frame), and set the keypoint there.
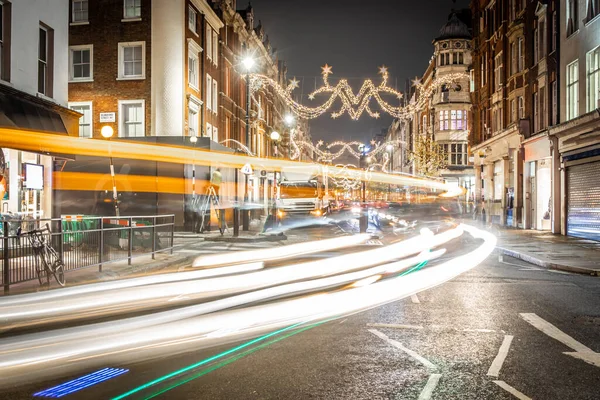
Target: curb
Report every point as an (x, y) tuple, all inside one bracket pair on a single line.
[(548, 265), (246, 239)]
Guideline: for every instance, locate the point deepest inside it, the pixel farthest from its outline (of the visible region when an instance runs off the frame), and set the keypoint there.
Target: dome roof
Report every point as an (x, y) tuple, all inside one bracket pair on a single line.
[(454, 29)]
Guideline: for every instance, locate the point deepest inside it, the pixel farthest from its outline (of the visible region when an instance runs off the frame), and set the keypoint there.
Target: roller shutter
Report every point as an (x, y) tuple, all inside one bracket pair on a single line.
[(583, 200)]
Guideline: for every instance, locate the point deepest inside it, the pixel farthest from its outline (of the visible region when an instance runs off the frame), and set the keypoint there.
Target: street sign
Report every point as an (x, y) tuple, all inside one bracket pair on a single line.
[(107, 117), (247, 169)]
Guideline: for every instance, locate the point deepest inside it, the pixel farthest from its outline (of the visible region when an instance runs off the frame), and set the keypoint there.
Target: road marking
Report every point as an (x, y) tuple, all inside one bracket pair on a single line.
[(479, 330), (414, 298), (512, 390), (559, 272), (555, 333), (500, 357), (408, 351), (344, 321), (529, 269), (581, 352), (396, 326), (430, 386), (373, 242)]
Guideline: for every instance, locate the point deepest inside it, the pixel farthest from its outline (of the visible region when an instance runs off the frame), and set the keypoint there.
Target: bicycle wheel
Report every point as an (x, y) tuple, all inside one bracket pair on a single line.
[(59, 272), (40, 269)]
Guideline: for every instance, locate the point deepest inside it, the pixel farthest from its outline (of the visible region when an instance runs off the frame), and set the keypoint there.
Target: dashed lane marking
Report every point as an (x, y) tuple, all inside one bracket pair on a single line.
[(395, 326), (512, 390), (500, 357), (428, 364), (430, 386)]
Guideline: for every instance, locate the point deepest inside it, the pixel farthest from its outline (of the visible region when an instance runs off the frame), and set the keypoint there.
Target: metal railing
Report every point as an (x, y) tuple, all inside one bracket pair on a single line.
[(83, 242)]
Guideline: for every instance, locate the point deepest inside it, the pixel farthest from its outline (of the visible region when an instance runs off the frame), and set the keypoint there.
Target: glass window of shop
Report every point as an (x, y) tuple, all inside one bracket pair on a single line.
[(25, 191)]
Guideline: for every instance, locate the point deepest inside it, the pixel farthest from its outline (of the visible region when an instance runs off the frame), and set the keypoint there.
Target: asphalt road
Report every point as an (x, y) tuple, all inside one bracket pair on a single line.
[(503, 327)]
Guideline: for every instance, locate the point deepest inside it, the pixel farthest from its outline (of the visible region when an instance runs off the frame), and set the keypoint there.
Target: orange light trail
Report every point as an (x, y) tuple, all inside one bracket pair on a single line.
[(45, 143)]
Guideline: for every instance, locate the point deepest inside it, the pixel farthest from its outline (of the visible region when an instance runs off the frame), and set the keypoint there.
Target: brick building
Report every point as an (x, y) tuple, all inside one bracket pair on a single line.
[(515, 97)]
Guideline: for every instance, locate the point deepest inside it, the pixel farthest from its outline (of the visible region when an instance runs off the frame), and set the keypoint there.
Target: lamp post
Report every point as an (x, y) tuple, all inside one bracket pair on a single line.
[(276, 138), (363, 221), (248, 64), (107, 132)]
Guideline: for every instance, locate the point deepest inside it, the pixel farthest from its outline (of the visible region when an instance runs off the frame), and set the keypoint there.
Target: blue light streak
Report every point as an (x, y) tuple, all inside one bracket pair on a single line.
[(83, 382)]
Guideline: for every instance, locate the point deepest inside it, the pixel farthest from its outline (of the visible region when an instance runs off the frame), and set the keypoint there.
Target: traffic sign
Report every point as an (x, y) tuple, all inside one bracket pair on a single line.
[(247, 169)]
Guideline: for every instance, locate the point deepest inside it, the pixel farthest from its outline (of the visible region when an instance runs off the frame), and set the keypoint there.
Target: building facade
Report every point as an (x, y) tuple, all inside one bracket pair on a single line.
[(576, 139), (515, 95), (33, 95)]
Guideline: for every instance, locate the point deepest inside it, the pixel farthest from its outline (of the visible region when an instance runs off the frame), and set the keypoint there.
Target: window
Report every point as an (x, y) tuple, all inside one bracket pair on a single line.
[(472, 80), (215, 96), (521, 54), (521, 104), (80, 11), (5, 34), (208, 92), (498, 71), (543, 110), (536, 46), (193, 69), (513, 58), (572, 90), (554, 31), (424, 124), (192, 19), (131, 118), (132, 60), (215, 134), (444, 120), (457, 154), (85, 122), (536, 112), (45, 61), (209, 53), (541, 39), (215, 47), (593, 9), (572, 17), (554, 103), (81, 63), (513, 110), (227, 83), (483, 69), (132, 9), (593, 79), (453, 119)]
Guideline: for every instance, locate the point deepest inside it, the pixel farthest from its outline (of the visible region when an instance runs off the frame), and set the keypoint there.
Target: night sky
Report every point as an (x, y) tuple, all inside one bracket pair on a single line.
[(355, 37)]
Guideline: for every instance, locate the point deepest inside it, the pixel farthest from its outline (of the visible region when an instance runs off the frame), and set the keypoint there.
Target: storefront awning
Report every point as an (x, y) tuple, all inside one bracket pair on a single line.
[(22, 110)]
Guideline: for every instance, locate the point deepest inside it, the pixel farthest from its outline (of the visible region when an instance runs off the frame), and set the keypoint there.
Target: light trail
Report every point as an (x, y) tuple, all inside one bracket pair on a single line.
[(44, 142), (232, 325), (145, 297)]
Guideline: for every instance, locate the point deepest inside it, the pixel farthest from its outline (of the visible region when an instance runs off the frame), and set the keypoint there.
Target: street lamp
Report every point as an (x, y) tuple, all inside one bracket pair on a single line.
[(289, 119), (248, 62), (390, 148), (107, 132), (275, 136)]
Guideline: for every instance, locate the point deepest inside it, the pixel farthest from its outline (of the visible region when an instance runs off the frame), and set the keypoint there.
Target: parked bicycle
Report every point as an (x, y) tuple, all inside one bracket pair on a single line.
[(51, 263)]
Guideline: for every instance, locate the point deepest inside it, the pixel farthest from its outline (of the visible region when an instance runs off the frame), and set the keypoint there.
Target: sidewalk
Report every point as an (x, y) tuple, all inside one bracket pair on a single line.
[(550, 251)]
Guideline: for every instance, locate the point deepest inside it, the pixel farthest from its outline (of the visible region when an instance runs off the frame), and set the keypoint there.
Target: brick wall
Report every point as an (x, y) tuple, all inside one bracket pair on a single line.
[(104, 31)]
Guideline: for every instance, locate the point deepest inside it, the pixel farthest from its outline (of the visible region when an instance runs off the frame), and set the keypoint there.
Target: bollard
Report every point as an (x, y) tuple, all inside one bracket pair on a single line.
[(236, 222)]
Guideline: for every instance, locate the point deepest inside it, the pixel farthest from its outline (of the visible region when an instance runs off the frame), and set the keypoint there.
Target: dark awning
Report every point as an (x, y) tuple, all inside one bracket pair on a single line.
[(22, 110)]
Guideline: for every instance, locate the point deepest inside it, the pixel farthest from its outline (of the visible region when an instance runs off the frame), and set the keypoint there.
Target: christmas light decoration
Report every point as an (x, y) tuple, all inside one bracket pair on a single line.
[(355, 104)]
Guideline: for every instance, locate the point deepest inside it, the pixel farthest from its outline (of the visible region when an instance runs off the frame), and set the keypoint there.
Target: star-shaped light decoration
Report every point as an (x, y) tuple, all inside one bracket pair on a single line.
[(416, 82), (383, 70), (326, 70), (373, 142), (400, 95), (319, 143), (376, 115), (311, 96), (294, 83)]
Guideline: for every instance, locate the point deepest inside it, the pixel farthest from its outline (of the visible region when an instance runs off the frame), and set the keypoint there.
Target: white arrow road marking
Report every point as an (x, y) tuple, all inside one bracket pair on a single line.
[(500, 357), (398, 345), (582, 352), (430, 386), (414, 298), (512, 390)]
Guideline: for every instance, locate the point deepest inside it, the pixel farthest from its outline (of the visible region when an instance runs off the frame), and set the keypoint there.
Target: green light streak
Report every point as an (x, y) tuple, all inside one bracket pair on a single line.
[(203, 362), (230, 360)]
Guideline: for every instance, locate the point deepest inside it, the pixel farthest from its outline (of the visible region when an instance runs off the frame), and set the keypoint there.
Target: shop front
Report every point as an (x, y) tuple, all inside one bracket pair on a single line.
[(538, 183)]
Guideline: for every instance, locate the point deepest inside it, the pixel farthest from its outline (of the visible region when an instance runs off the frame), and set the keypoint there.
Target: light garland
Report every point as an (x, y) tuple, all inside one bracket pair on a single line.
[(355, 104)]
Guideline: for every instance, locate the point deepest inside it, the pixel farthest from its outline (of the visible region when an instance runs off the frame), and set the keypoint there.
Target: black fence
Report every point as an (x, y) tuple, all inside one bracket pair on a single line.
[(82, 242)]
